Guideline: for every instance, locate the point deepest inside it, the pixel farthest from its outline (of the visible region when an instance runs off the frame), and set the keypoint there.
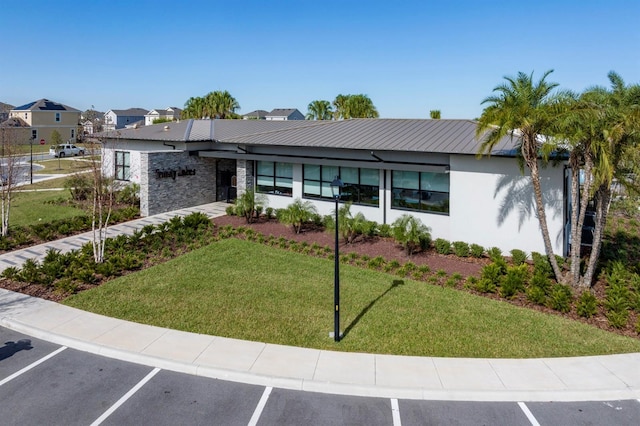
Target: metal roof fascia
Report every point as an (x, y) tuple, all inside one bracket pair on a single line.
[(370, 164)]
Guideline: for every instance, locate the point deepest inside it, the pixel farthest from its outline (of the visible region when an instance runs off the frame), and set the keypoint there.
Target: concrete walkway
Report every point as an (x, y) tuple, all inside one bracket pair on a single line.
[(611, 377)]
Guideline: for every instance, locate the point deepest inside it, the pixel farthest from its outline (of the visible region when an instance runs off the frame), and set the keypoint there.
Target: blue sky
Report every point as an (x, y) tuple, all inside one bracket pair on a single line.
[(409, 57)]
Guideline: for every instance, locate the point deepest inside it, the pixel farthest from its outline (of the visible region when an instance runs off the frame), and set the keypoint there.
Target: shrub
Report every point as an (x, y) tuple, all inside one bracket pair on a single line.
[(442, 246), (269, 212), (490, 277), (384, 230), (411, 233), (11, 273), (476, 250), (130, 195), (80, 186), (247, 202), (297, 214), (537, 295), (618, 319), (560, 298), (376, 262), (514, 281), (518, 257), (541, 264), (587, 305), (484, 285), (460, 248), (494, 253), (230, 210)]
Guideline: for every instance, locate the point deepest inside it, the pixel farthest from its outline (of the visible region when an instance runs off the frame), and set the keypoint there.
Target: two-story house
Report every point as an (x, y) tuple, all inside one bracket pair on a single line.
[(43, 116), (171, 114), (122, 118)]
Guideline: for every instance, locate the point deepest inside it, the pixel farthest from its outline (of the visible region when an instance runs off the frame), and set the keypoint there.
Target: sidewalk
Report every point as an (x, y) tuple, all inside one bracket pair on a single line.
[(610, 377)]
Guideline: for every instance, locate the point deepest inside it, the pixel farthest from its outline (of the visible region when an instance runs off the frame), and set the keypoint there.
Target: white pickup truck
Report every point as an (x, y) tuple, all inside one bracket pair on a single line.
[(65, 150)]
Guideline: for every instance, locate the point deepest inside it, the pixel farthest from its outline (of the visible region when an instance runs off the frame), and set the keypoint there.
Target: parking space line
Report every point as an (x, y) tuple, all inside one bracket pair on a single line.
[(395, 412), (528, 413), (125, 397), (261, 404), (32, 365)]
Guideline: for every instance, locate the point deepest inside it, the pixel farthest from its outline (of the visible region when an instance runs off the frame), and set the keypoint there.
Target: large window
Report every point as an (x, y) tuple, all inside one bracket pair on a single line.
[(123, 165), (420, 191), (275, 178), (361, 186)]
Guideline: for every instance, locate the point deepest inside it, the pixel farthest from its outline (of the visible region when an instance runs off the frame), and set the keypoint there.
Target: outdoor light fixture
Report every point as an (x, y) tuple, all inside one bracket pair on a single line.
[(336, 187)]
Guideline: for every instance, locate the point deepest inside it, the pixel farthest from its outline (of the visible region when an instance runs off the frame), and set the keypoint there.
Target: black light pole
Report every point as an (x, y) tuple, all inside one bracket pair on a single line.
[(31, 161), (336, 186)]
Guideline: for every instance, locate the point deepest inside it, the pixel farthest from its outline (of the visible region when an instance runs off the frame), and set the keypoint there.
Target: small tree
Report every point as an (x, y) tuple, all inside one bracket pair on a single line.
[(434, 114), (9, 171), (297, 214), (411, 233), (247, 203), (350, 225)]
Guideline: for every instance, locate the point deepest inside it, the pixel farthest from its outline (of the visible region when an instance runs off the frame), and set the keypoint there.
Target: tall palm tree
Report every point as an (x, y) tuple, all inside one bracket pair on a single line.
[(522, 108), (319, 110), (614, 154), (194, 108), (354, 106), (220, 104)]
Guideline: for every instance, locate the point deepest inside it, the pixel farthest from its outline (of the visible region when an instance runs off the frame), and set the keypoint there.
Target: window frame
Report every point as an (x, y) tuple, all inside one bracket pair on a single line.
[(273, 188), (419, 195), (122, 165), (350, 192)]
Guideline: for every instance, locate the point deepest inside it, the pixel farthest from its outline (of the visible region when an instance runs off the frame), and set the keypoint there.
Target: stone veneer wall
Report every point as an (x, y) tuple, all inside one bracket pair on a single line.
[(244, 175), (186, 181)]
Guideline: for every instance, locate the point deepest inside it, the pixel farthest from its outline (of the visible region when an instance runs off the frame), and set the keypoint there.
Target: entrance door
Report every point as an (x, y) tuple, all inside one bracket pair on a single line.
[(225, 180)]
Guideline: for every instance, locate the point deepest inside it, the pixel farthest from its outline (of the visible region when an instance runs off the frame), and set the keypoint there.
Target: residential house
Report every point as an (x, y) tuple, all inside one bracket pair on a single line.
[(390, 167), (43, 116), (171, 114), (115, 119), (258, 114), (280, 114)]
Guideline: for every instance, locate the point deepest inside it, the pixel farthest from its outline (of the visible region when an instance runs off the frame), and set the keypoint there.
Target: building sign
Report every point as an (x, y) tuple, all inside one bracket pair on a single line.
[(173, 173)]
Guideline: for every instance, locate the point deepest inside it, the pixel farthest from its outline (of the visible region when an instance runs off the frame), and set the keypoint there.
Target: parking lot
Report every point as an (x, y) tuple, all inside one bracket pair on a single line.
[(45, 383)]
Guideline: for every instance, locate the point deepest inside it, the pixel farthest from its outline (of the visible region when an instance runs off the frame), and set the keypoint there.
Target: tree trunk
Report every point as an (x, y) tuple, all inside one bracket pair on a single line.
[(603, 201), (542, 218), (578, 223)]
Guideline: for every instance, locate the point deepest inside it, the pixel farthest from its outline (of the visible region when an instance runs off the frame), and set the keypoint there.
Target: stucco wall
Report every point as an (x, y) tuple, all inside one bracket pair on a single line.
[(173, 180), (492, 204)]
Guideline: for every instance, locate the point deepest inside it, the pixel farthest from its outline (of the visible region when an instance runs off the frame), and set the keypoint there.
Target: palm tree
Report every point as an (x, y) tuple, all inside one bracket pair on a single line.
[(613, 154), (319, 110), (523, 109), (434, 114), (194, 108), (354, 106), (220, 104)]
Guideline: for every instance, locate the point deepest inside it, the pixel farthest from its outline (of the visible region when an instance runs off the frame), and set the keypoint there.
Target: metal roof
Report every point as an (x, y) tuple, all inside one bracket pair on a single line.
[(131, 111), (409, 135), (282, 112)]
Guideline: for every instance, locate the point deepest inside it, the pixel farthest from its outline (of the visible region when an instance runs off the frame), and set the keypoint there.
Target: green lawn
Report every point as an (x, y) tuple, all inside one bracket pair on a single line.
[(30, 207), (45, 184), (66, 165), (250, 291)]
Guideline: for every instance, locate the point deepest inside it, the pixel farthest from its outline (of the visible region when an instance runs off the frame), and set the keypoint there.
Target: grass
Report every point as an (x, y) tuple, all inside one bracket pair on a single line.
[(28, 208), (239, 289), (56, 165), (45, 184)]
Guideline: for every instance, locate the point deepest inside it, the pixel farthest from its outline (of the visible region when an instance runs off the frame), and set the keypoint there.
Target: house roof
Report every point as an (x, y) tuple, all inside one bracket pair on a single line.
[(14, 122), (131, 111), (409, 135), (282, 112), (44, 105), (259, 113)]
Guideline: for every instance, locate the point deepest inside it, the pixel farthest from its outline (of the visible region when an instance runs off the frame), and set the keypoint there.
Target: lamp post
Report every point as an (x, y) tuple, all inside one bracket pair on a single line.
[(336, 186), (31, 160)]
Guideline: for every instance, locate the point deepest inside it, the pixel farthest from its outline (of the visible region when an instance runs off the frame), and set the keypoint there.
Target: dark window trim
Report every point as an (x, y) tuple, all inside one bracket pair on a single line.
[(343, 200), (120, 165), (420, 192), (274, 177)]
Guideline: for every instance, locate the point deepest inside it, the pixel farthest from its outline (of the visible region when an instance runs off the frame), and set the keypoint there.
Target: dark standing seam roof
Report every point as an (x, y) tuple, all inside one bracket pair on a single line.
[(409, 135)]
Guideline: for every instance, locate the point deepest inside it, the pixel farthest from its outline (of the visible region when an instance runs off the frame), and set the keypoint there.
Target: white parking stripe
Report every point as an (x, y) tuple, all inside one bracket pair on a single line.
[(261, 404), (126, 396), (395, 412), (30, 366), (527, 413)]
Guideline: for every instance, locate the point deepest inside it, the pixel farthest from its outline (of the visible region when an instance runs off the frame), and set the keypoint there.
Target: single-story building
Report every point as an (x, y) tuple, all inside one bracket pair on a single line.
[(427, 168)]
